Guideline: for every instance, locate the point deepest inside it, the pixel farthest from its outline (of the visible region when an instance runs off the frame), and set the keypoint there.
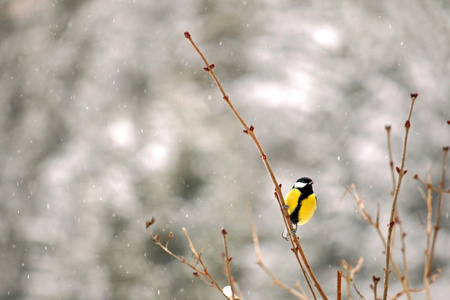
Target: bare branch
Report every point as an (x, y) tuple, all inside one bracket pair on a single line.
[(199, 273), (401, 173), (249, 130)]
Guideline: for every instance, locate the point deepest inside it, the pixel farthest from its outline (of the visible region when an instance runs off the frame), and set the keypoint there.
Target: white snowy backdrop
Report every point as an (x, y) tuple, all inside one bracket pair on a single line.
[(107, 119)]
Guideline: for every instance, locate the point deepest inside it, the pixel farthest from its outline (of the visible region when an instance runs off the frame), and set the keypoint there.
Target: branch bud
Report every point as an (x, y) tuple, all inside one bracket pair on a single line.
[(187, 35), (156, 238), (224, 232), (414, 95), (407, 124), (149, 223), (388, 127), (207, 69)]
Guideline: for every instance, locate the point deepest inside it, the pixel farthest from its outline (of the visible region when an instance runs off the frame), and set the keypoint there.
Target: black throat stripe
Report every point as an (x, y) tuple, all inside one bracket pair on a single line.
[(295, 214)]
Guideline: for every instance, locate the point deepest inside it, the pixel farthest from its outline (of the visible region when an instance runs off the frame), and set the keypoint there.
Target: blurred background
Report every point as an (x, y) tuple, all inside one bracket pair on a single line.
[(108, 119)]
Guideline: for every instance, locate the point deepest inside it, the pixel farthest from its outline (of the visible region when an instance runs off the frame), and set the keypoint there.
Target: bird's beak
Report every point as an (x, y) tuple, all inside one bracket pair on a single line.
[(311, 183)]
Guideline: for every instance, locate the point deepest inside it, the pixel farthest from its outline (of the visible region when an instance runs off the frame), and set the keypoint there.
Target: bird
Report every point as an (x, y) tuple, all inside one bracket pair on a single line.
[(301, 203)]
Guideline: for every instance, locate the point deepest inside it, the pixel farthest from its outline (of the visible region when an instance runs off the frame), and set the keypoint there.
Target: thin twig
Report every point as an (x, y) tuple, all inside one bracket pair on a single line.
[(249, 130), (227, 262), (434, 189), (361, 296), (401, 172), (427, 267), (433, 278), (339, 283), (391, 158), (199, 273), (365, 215), (405, 277), (350, 275), (362, 210), (437, 224), (375, 280)]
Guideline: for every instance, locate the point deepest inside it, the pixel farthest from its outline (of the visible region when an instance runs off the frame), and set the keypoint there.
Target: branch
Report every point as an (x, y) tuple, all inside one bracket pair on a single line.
[(405, 278), (339, 282), (401, 171), (437, 224), (434, 189), (249, 130), (427, 267), (199, 273), (227, 261), (391, 159), (350, 275)]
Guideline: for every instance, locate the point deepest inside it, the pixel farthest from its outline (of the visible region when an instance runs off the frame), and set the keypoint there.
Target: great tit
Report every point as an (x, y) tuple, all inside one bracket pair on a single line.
[(301, 202)]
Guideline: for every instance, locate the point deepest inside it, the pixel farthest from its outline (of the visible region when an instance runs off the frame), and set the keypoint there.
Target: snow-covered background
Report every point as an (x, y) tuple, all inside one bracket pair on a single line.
[(107, 119)]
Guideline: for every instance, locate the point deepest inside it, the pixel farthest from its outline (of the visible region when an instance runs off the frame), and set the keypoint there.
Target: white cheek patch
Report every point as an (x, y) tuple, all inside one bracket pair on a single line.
[(299, 185)]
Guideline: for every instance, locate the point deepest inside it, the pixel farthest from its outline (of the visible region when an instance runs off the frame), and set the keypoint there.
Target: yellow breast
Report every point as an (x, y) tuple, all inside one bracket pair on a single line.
[(307, 209)]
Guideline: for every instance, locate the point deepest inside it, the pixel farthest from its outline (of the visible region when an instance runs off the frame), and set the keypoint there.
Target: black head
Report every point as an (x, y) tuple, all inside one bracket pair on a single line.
[(303, 183)]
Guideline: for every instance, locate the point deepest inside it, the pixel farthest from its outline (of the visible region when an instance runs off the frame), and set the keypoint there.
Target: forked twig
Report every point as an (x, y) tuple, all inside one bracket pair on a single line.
[(199, 273), (249, 130), (431, 231), (375, 280), (401, 173), (432, 279), (350, 275), (437, 224), (441, 192), (405, 278), (375, 224)]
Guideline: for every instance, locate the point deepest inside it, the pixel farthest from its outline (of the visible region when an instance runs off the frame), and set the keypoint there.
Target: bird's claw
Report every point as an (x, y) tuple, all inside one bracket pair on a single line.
[(285, 234)]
